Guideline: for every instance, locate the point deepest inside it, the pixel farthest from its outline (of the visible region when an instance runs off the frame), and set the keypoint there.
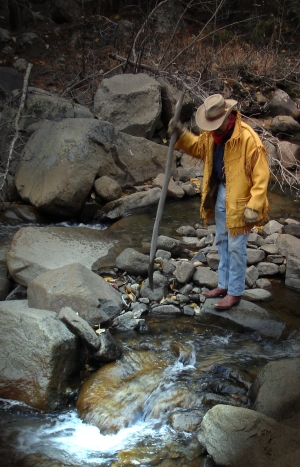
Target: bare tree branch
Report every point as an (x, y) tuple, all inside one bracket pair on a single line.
[(16, 123)]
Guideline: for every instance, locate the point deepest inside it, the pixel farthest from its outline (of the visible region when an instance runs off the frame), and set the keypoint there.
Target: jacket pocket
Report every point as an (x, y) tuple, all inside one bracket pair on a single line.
[(241, 203)]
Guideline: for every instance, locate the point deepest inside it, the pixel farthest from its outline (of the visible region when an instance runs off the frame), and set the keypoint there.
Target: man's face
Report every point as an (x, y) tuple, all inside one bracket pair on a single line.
[(224, 126)]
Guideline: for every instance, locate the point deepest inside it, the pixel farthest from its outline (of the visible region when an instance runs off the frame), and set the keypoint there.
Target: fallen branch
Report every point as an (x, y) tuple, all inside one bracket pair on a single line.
[(133, 64), (16, 123)]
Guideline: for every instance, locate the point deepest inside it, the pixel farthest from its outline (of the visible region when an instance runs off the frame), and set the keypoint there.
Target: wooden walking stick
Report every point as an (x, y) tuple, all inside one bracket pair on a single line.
[(164, 190)]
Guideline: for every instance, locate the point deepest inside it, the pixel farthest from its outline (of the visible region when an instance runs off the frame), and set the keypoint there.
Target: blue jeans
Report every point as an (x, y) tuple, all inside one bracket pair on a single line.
[(232, 251)]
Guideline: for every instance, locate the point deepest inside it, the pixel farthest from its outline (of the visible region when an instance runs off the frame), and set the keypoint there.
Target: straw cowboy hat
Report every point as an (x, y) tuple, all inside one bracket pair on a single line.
[(213, 112)]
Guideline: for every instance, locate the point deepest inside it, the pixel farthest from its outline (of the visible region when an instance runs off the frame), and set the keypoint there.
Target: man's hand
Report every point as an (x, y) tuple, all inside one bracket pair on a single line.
[(177, 126), (250, 216)]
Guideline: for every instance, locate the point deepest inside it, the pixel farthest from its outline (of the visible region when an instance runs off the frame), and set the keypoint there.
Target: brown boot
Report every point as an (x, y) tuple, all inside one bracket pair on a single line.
[(214, 293), (227, 302)]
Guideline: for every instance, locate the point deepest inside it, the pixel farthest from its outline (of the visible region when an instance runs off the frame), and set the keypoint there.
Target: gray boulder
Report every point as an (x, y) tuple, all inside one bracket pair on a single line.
[(288, 154), (254, 256), (77, 287), (133, 262), (238, 437), (80, 328), (10, 80), (107, 188), (174, 190), (246, 316), (276, 391), (124, 206), (35, 250), (284, 125), (205, 277), (184, 271), (32, 45), (289, 246), (160, 288), (38, 355), (282, 104), (172, 245), (131, 102), (62, 160)]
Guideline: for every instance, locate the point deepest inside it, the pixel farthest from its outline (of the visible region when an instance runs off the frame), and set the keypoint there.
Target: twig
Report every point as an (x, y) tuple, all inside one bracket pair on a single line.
[(143, 26), (16, 136), (133, 64)]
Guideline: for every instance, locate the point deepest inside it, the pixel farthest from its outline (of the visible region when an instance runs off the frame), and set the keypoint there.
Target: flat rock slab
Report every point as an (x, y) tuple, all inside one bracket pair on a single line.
[(35, 250), (245, 317), (38, 355)]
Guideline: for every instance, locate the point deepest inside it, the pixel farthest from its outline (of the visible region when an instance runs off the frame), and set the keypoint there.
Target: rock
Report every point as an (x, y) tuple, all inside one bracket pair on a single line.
[(10, 80), (109, 350), (166, 310), (170, 96), (163, 254), (169, 244), (213, 260), (205, 277), (189, 188), (263, 283), (257, 294), (107, 188), (186, 231), (292, 229), (186, 421), (168, 267), (267, 269), (19, 293), (80, 328), (275, 391), (131, 102), (5, 36), (62, 159), (239, 437), (126, 322), (75, 286), (288, 154), (182, 175), (124, 206), (160, 288), (174, 191), (272, 227), (133, 262), (252, 275), (269, 249), (32, 45), (38, 354), (284, 125), (245, 317), (282, 104), (65, 11), (254, 256), (184, 271), (28, 257), (272, 154)]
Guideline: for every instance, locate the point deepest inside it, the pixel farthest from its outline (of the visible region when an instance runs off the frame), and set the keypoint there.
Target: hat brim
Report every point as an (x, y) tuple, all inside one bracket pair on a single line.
[(211, 125)]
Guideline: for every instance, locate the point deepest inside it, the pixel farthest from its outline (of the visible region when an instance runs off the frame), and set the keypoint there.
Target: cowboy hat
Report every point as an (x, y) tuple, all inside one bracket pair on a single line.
[(212, 113)]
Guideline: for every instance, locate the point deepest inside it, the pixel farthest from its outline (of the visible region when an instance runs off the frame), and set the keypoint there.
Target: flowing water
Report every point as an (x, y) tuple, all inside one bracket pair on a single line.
[(30, 438)]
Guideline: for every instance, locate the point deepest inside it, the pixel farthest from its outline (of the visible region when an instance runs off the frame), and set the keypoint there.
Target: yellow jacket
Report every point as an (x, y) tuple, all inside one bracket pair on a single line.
[(246, 170)]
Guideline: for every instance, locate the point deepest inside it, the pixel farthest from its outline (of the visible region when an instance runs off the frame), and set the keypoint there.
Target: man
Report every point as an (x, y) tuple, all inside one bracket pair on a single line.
[(234, 189)]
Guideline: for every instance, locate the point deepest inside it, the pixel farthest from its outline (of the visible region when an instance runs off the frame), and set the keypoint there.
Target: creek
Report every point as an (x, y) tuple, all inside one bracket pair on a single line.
[(31, 438)]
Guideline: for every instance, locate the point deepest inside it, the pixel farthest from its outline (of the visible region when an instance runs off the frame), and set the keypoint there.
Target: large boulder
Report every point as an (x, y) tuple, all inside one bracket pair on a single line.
[(38, 355), (238, 437), (289, 246), (35, 250), (77, 287), (246, 316), (276, 391), (131, 102), (282, 104), (62, 160)]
